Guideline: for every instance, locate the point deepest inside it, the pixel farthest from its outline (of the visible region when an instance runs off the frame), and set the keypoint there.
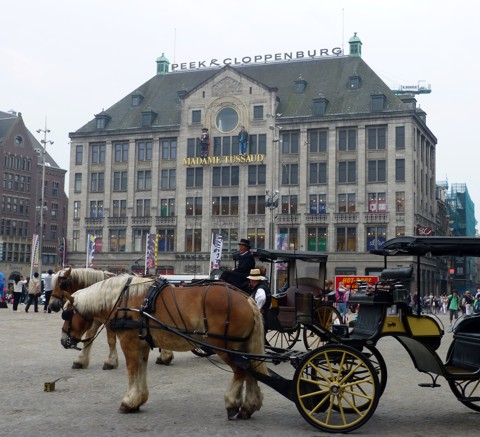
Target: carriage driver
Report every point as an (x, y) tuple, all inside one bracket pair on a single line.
[(260, 291)]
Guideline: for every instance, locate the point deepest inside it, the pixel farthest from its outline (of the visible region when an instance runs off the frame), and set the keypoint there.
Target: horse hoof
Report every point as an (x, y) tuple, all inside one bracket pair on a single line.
[(244, 415), (77, 366), (163, 362), (232, 412), (108, 366), (125, 409)]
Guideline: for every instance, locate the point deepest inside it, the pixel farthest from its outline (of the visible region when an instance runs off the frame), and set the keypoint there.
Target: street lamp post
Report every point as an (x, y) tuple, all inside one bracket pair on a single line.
[(271, 202), (42, 201)]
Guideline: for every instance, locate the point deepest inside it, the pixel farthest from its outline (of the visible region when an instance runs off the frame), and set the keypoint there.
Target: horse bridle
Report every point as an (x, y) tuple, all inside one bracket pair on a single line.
[(71, 342)]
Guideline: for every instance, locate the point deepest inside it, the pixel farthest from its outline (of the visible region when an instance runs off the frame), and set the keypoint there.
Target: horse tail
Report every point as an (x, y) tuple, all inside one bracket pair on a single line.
[(256, 341)]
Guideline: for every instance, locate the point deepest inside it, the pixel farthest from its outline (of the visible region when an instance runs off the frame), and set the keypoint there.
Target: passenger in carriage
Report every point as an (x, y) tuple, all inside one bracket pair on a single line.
[(245, 263)]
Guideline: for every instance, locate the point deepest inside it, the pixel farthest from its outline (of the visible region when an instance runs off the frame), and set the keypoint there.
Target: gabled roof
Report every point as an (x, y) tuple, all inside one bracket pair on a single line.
[(325, 77)]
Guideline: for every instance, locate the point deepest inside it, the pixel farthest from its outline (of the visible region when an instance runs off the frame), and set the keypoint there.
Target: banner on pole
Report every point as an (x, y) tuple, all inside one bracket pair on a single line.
[(90, 249), (151, 252), (216, 251), (35, 250)]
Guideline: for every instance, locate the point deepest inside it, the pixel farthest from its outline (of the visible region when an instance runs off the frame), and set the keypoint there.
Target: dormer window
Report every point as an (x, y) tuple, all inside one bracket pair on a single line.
[(379, 102), (320, 106), (137, 99), (148, 117), (18, 140), (354, 82), (102, 120), (300, 85)]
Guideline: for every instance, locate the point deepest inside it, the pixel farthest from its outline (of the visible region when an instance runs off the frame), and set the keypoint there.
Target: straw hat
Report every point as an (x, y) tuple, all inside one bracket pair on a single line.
[(255, 275)]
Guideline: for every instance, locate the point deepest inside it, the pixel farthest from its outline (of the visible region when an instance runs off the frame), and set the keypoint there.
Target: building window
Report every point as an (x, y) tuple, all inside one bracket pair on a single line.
[(143, 207), (167, 207), (144, 180), (318, 173), (399, 170), (400, 201), (194, 177), (169, 149), (400, 137), (144, 151), (97, 153), (317, 140), (287, 239), (317, 239), (256, 237), (194, 149), (76, 209), (257, 174), (168, 179), (377, 138), (55, 189), (289, 204), (227, 120), (258, 112), (289, 174), (75, 240), (196, 116), (79, 155), (194, 206), (399, 231), (193, 240), (119, 208), (257, 144), (377, 170), (225, 205), (318, 203), (256, 205), (97, 181), (120, 152), (346, 239), (166, 240), (225, 146), (376, 236), (347, 202), (117, 240), (78, 183), (290, 142), (140, 240), (377, 202), (120, 179), (347, 140), (96, 209), (225, 176), (347, 172)]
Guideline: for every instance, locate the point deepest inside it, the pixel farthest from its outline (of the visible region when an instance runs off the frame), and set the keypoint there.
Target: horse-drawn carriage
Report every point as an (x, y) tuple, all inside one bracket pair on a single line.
[(336, 387)]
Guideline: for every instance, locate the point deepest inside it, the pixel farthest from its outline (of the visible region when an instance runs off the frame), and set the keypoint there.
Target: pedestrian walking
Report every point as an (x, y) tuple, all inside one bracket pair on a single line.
[(34, 289), (48, 290)]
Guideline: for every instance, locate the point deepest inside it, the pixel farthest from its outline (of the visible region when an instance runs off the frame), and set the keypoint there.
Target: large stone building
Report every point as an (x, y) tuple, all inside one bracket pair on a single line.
[(22, 173), (336, 162)]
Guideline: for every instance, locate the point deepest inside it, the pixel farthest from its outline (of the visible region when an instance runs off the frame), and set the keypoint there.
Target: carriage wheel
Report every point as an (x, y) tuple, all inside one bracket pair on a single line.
[(202, 352), (283, 339), (379, 365), (325, 316), (465, 390), (336, 388)]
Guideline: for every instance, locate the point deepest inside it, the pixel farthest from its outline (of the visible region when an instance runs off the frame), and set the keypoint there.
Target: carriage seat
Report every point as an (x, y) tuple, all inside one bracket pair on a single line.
[(369, 323), (465, 351)]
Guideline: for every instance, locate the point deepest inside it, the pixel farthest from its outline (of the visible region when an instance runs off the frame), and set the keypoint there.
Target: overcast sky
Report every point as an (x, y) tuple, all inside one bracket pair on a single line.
[(66, 60)]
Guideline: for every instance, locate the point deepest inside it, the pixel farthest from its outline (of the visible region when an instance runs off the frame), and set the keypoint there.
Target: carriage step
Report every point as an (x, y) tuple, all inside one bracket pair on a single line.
[(429, 384)]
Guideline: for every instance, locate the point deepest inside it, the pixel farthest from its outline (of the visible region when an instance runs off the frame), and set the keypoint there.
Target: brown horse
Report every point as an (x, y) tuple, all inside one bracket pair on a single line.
[(217, 314), (65, 283)]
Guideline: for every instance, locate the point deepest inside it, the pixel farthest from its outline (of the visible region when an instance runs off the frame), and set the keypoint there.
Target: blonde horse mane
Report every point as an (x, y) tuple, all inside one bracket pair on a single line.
[(83, 276), (103, 295)]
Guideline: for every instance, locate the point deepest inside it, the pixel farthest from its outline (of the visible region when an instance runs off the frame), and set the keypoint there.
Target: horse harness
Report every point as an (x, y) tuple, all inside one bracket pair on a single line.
[(122, 320)]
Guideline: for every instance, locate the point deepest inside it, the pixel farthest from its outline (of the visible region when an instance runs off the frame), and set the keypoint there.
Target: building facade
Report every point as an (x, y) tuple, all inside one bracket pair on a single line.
[(22, 173), (336, 162)]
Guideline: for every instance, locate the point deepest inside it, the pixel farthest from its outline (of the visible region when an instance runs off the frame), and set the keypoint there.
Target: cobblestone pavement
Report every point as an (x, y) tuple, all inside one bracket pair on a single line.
[(186, 398)]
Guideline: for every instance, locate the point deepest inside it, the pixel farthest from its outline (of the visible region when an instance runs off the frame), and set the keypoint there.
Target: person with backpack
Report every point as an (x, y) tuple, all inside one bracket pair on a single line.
[(476, 304), (468, 298), (453, 305)]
